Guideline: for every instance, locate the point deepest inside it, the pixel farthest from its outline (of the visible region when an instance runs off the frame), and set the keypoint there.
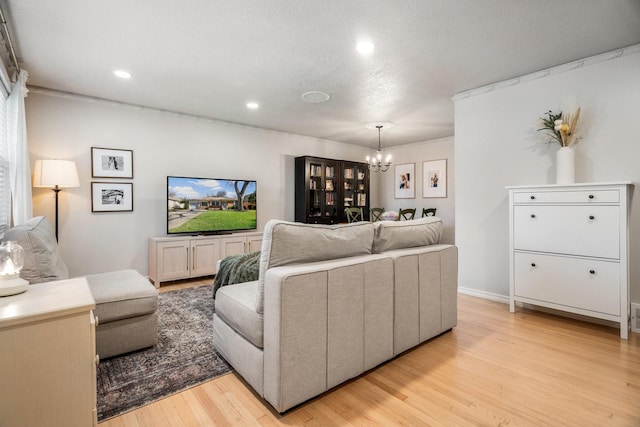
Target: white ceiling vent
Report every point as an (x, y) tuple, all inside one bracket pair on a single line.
[(315, 97)]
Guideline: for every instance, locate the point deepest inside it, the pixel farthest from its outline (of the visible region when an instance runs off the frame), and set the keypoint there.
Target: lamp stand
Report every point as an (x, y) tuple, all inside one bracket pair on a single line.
[(56, 190)]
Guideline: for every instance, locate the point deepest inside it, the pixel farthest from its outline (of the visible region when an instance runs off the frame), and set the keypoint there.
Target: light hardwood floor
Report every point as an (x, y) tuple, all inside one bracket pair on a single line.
[(494, 369)]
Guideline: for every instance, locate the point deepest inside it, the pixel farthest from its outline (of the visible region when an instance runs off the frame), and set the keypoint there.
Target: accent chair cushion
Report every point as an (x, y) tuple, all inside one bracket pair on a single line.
[(406, 234), (42, 260)]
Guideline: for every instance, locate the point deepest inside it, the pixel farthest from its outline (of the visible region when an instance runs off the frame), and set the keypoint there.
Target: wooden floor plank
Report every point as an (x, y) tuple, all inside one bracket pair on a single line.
[(494, 368)]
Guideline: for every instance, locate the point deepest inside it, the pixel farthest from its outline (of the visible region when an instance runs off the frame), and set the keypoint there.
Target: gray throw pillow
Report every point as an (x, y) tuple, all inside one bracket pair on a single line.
[(42, 261), (406, 234)]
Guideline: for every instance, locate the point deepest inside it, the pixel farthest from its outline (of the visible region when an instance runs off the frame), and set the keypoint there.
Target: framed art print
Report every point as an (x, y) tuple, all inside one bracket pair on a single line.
[(111, 197), (111, 163), (404, 181), (434, 175)]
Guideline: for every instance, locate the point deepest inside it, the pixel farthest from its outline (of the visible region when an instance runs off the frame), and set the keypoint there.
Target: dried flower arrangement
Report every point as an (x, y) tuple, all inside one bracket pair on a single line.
[(560, 127)]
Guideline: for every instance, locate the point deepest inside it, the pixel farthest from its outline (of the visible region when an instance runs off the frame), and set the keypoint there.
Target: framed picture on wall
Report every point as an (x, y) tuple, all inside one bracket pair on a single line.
[(434, 176), (404, 181), (111, 197), (111, 163)]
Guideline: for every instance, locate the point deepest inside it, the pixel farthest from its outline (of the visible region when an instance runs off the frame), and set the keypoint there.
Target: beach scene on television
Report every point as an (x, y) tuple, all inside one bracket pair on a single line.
[(203, 205)]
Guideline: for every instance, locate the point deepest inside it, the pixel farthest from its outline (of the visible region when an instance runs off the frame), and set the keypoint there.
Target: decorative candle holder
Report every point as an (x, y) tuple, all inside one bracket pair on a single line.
[(11, 262)]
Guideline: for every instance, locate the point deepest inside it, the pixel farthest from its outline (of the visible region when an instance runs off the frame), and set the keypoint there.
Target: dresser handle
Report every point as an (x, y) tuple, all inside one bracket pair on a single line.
[(592, 272), (533, 264), (592, 217), (97, 359), (533, 215), (533, 197), (591, 196)]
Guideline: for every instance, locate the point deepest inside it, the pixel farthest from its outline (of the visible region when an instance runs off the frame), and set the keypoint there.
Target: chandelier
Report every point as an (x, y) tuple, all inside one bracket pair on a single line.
[(375, 163)]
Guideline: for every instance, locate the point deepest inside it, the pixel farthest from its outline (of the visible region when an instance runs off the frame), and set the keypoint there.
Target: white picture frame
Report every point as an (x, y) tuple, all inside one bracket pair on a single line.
[(434, 179), (111, 163), (404, 181)]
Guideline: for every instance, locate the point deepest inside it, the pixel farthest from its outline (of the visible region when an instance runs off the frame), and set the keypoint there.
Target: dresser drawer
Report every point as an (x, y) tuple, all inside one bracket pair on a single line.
[(573, 230), (567, 197), (592, 285)]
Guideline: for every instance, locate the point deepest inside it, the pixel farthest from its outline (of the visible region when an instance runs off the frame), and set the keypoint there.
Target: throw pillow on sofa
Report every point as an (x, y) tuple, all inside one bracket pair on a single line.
[(406, 234)]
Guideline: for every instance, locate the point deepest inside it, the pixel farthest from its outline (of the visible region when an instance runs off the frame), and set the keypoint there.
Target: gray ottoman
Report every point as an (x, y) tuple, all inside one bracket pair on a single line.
[(126, 305)]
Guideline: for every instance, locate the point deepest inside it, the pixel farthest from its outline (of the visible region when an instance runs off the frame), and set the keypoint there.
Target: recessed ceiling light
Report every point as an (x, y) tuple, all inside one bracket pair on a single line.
[(252, 105), (122, 74), (365, 47)]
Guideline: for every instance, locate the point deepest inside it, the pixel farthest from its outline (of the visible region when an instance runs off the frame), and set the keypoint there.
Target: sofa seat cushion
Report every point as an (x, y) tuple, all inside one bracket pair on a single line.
[(236, 305), (122, 294)]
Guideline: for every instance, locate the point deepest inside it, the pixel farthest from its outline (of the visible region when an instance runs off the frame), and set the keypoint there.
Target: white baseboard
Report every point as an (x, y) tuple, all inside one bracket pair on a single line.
[(504, 299)]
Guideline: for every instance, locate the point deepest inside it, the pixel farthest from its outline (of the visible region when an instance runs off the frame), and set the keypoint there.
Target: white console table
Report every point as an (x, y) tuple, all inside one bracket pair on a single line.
[(568, 249), (47, 356)]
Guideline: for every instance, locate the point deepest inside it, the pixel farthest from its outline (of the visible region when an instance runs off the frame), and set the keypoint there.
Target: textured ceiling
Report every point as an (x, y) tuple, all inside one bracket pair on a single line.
[(208, 58)]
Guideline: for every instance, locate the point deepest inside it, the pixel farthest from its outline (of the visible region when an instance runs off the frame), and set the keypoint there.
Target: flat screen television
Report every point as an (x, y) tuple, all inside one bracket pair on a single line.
[(210, 205)]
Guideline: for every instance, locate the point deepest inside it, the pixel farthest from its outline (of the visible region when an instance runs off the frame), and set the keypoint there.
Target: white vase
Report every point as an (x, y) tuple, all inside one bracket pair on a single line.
[(565, 166)]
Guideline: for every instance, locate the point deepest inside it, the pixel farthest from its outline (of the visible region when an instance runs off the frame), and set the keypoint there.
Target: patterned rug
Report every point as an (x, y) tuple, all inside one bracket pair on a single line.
[(184, 357)]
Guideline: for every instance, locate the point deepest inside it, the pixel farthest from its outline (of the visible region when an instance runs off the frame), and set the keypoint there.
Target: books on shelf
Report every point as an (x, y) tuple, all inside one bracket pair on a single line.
[(348, 173), (362, 199), (330, 171)]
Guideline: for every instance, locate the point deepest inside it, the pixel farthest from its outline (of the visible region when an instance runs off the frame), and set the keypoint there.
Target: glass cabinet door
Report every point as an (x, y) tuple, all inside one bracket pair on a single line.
[(355, 188), (323, 191)]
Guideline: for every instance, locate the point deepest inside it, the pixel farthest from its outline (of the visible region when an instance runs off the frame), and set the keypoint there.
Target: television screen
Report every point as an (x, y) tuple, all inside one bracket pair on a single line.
[(206, 205)]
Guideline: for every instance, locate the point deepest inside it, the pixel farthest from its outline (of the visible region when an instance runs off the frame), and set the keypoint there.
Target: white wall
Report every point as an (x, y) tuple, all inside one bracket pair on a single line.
[(417, 153), (163, 144), (496, 145)]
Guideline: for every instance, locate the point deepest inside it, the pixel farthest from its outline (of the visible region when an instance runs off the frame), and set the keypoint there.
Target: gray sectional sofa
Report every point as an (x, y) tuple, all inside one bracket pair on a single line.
[(332, 302)]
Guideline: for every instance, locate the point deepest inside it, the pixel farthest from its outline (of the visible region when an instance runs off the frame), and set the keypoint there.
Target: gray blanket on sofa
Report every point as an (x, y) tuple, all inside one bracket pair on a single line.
[(237, 269)]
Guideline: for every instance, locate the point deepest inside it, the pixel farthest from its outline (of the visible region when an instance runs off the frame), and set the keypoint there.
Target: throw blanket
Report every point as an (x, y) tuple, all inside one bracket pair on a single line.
[(237, 269)]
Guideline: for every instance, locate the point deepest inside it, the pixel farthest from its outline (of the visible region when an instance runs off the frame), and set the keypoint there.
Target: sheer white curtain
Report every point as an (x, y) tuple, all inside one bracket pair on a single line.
[(5, 184), (20, 169)]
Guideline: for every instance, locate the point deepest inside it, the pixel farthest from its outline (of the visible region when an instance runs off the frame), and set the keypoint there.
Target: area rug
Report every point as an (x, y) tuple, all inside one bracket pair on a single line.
[(184, 357)]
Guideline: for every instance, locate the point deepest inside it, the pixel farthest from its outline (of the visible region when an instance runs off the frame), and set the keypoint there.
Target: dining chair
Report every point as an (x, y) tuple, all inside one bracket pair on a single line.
[(428, 212), (406, 214), (376, 214), (353, 214)]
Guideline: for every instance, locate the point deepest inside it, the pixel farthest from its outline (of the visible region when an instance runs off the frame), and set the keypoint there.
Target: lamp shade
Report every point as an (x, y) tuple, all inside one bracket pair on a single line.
[(51, 173)]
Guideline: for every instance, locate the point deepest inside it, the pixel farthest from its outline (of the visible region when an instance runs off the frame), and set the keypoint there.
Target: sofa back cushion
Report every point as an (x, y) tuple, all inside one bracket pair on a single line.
[(406, 234), (42, 261), (285, 243)]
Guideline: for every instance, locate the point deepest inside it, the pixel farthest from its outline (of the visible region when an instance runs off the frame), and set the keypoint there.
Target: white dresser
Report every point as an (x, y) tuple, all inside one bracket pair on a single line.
[(568, 248), (48, 356)]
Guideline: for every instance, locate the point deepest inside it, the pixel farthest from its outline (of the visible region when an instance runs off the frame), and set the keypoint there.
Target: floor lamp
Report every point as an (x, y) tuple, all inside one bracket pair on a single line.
[(57, 174)]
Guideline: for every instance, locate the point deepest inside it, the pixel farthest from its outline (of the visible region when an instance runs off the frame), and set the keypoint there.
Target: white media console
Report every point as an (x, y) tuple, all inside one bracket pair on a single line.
[(184, 257)]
